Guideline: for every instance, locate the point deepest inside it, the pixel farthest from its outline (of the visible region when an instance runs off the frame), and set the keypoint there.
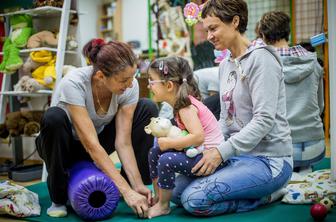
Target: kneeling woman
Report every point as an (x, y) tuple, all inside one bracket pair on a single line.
[(94, 111)]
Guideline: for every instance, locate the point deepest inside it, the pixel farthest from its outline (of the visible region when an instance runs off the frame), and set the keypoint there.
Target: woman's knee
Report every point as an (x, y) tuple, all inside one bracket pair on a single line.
[(148, 107), (54, 117), (194, 201)]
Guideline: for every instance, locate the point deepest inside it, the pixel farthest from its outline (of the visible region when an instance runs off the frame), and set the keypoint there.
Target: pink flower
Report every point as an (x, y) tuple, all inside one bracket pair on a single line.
[(191, 10)]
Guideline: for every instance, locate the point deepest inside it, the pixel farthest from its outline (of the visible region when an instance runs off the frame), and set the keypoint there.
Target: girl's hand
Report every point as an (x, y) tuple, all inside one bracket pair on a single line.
[(208, 164), (163, 143), (143, 190), (137, 202)]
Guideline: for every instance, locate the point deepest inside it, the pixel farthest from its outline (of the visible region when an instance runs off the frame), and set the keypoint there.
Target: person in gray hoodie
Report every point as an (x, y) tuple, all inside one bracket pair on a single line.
[(304, 91), (257, 151)]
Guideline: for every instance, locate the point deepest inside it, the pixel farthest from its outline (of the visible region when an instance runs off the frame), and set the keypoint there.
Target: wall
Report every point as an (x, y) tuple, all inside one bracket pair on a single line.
[(134, 21)]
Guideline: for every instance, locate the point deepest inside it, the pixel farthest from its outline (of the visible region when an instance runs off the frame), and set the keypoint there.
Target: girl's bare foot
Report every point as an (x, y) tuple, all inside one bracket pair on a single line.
[(155, 200), (158, 209)]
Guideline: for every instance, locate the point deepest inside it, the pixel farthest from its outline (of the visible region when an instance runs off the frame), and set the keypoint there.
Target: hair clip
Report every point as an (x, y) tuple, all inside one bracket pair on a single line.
[(98, 42), (161, 65), (165, 70)]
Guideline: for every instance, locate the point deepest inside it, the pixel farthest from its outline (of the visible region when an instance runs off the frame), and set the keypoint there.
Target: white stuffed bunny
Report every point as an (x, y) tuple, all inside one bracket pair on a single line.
[(162, 127)]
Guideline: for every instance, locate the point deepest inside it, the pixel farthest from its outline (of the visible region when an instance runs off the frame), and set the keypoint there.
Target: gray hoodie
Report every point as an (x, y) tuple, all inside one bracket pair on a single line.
[(253, 104), (304, 95)]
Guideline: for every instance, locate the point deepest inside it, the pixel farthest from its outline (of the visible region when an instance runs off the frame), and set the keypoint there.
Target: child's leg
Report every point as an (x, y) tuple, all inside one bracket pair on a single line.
[(156, 191), (162, 206), (170, 163), (153, 157)]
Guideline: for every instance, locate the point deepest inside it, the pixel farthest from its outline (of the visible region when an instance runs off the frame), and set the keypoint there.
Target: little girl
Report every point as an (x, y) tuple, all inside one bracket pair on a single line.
[(171, 80)]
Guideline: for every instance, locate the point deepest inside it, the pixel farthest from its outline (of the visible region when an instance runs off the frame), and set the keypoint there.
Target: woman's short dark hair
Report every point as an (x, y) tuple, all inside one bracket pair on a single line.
[(274, 26), (110, 58), (225, 10)]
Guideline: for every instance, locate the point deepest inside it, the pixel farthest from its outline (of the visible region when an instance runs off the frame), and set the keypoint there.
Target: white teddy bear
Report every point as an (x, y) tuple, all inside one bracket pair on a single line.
[(162, 127)]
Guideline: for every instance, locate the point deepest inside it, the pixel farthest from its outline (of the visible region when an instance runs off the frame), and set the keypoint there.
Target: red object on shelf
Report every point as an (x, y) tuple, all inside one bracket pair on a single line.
[(318, 212)]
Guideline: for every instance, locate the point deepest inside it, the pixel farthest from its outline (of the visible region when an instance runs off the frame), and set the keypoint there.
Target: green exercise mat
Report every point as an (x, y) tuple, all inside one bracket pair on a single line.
[(274, 212)]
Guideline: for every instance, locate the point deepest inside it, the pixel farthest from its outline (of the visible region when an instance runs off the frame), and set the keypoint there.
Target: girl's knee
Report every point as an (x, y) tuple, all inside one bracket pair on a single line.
[(155, 151)]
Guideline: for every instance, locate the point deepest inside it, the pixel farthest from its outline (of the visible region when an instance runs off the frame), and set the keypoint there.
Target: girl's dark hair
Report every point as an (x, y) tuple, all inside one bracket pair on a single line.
[(176, 69), (225, 10), (110, 58), (274, 26)]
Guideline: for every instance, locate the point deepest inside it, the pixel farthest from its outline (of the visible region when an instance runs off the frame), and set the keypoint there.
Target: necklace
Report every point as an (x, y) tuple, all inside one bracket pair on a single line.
[(99, 104)]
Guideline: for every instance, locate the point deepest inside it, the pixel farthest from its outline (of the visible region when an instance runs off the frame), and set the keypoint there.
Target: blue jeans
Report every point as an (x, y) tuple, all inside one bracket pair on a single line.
[(241, 185), (308, 153)]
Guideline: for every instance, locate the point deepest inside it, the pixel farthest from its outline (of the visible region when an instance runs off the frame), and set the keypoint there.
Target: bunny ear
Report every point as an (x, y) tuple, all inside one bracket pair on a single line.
[(148, 130)]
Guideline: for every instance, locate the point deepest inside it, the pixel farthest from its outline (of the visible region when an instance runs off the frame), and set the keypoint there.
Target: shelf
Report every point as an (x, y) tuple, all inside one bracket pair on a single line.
[(39, 93), (22, 51), (40, 11)]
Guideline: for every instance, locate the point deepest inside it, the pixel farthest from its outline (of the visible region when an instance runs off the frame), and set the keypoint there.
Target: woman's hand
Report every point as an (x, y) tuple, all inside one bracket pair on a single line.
[(143, 190), (137, 202), (208, 164)]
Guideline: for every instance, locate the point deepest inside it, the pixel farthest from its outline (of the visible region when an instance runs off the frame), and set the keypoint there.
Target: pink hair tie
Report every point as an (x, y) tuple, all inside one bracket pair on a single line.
[(98, 42)]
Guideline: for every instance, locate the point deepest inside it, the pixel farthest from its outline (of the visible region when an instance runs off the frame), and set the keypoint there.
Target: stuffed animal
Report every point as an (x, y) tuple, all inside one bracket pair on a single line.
[(72, 43), (21, 123), (43, 38), (54, 3), (27, 84), (162, 127), (35, 60), (21, 25)]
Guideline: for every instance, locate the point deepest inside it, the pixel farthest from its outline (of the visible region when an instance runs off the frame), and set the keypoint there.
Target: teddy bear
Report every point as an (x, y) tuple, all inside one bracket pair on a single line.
[(21, 25), (21, 123), (43, 38), (27, 84), (162, 127)]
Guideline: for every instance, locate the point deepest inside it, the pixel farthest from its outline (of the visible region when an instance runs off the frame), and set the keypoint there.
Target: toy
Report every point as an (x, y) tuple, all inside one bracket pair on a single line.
[(193, 13), (71, 43), (21, 25), (327, 203), (54, 3), (27, 84), (21, 123), (43, 38), (35, 60), (162, 127), (318, 211), (92, 194)]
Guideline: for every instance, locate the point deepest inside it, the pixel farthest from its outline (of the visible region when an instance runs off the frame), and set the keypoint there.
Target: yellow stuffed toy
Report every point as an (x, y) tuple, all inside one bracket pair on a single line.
[(46, 74)]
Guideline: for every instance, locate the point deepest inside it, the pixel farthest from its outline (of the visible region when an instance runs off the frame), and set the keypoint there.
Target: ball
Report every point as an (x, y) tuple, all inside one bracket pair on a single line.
[(318, 211)]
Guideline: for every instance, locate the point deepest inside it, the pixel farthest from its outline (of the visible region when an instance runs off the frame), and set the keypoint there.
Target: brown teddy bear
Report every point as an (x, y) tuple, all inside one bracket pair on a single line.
[(21, 123), (43, 38)]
